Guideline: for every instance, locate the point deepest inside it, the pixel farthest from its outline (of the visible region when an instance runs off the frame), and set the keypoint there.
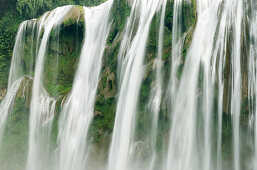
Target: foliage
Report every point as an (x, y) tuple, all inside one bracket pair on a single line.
[(34, 8), (8, 28), (188, 17), (103, 121)]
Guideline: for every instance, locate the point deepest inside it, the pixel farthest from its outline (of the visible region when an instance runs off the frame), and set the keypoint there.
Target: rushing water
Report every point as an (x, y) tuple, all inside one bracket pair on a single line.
[(205, 92), (16, 76), (78, 110), (16, 66), (132, 70), (40, 113), (156, 93)]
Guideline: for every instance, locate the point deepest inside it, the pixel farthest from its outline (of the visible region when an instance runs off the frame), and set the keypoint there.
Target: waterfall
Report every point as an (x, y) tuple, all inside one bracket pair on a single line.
[(41, 107), (177, 42), (183, 153), (16, 75), (197, 114), (156, 93), (236, 80), (16, 66), (13, 86), (219, 58), (78, 110), (130, 82)]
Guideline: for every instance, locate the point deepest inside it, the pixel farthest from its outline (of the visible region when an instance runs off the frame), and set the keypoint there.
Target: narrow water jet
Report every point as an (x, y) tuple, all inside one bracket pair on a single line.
[(16, 69), (176, 54), (156, 93), (237, 15)]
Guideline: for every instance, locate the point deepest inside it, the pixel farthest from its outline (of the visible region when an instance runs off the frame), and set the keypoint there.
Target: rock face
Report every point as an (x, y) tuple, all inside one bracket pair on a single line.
[(107, 87)]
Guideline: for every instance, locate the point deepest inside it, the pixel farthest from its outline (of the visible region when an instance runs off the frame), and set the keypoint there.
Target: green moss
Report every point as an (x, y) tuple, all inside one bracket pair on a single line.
[(104, 121), (69, 22), (119, 13), (35, 8), (61, 61), (165, 56), (226, 137), (244, 113), (188, 16), (169, 15), (152, 43), (8, 28)]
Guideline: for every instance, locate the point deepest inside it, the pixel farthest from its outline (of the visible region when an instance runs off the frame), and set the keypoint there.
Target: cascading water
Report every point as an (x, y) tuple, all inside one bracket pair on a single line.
[(16, 75), (42, 112), (236, 79), (156, 93), (219, 58), (78, 110), (130, 81), (183, 141), (7, 103), (16, 66), (177, 42), (205, 86)]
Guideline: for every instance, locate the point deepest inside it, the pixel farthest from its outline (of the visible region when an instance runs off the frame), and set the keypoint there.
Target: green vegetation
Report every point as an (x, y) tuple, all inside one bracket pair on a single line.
[(34, 8), (61, 60), (8, 28)]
